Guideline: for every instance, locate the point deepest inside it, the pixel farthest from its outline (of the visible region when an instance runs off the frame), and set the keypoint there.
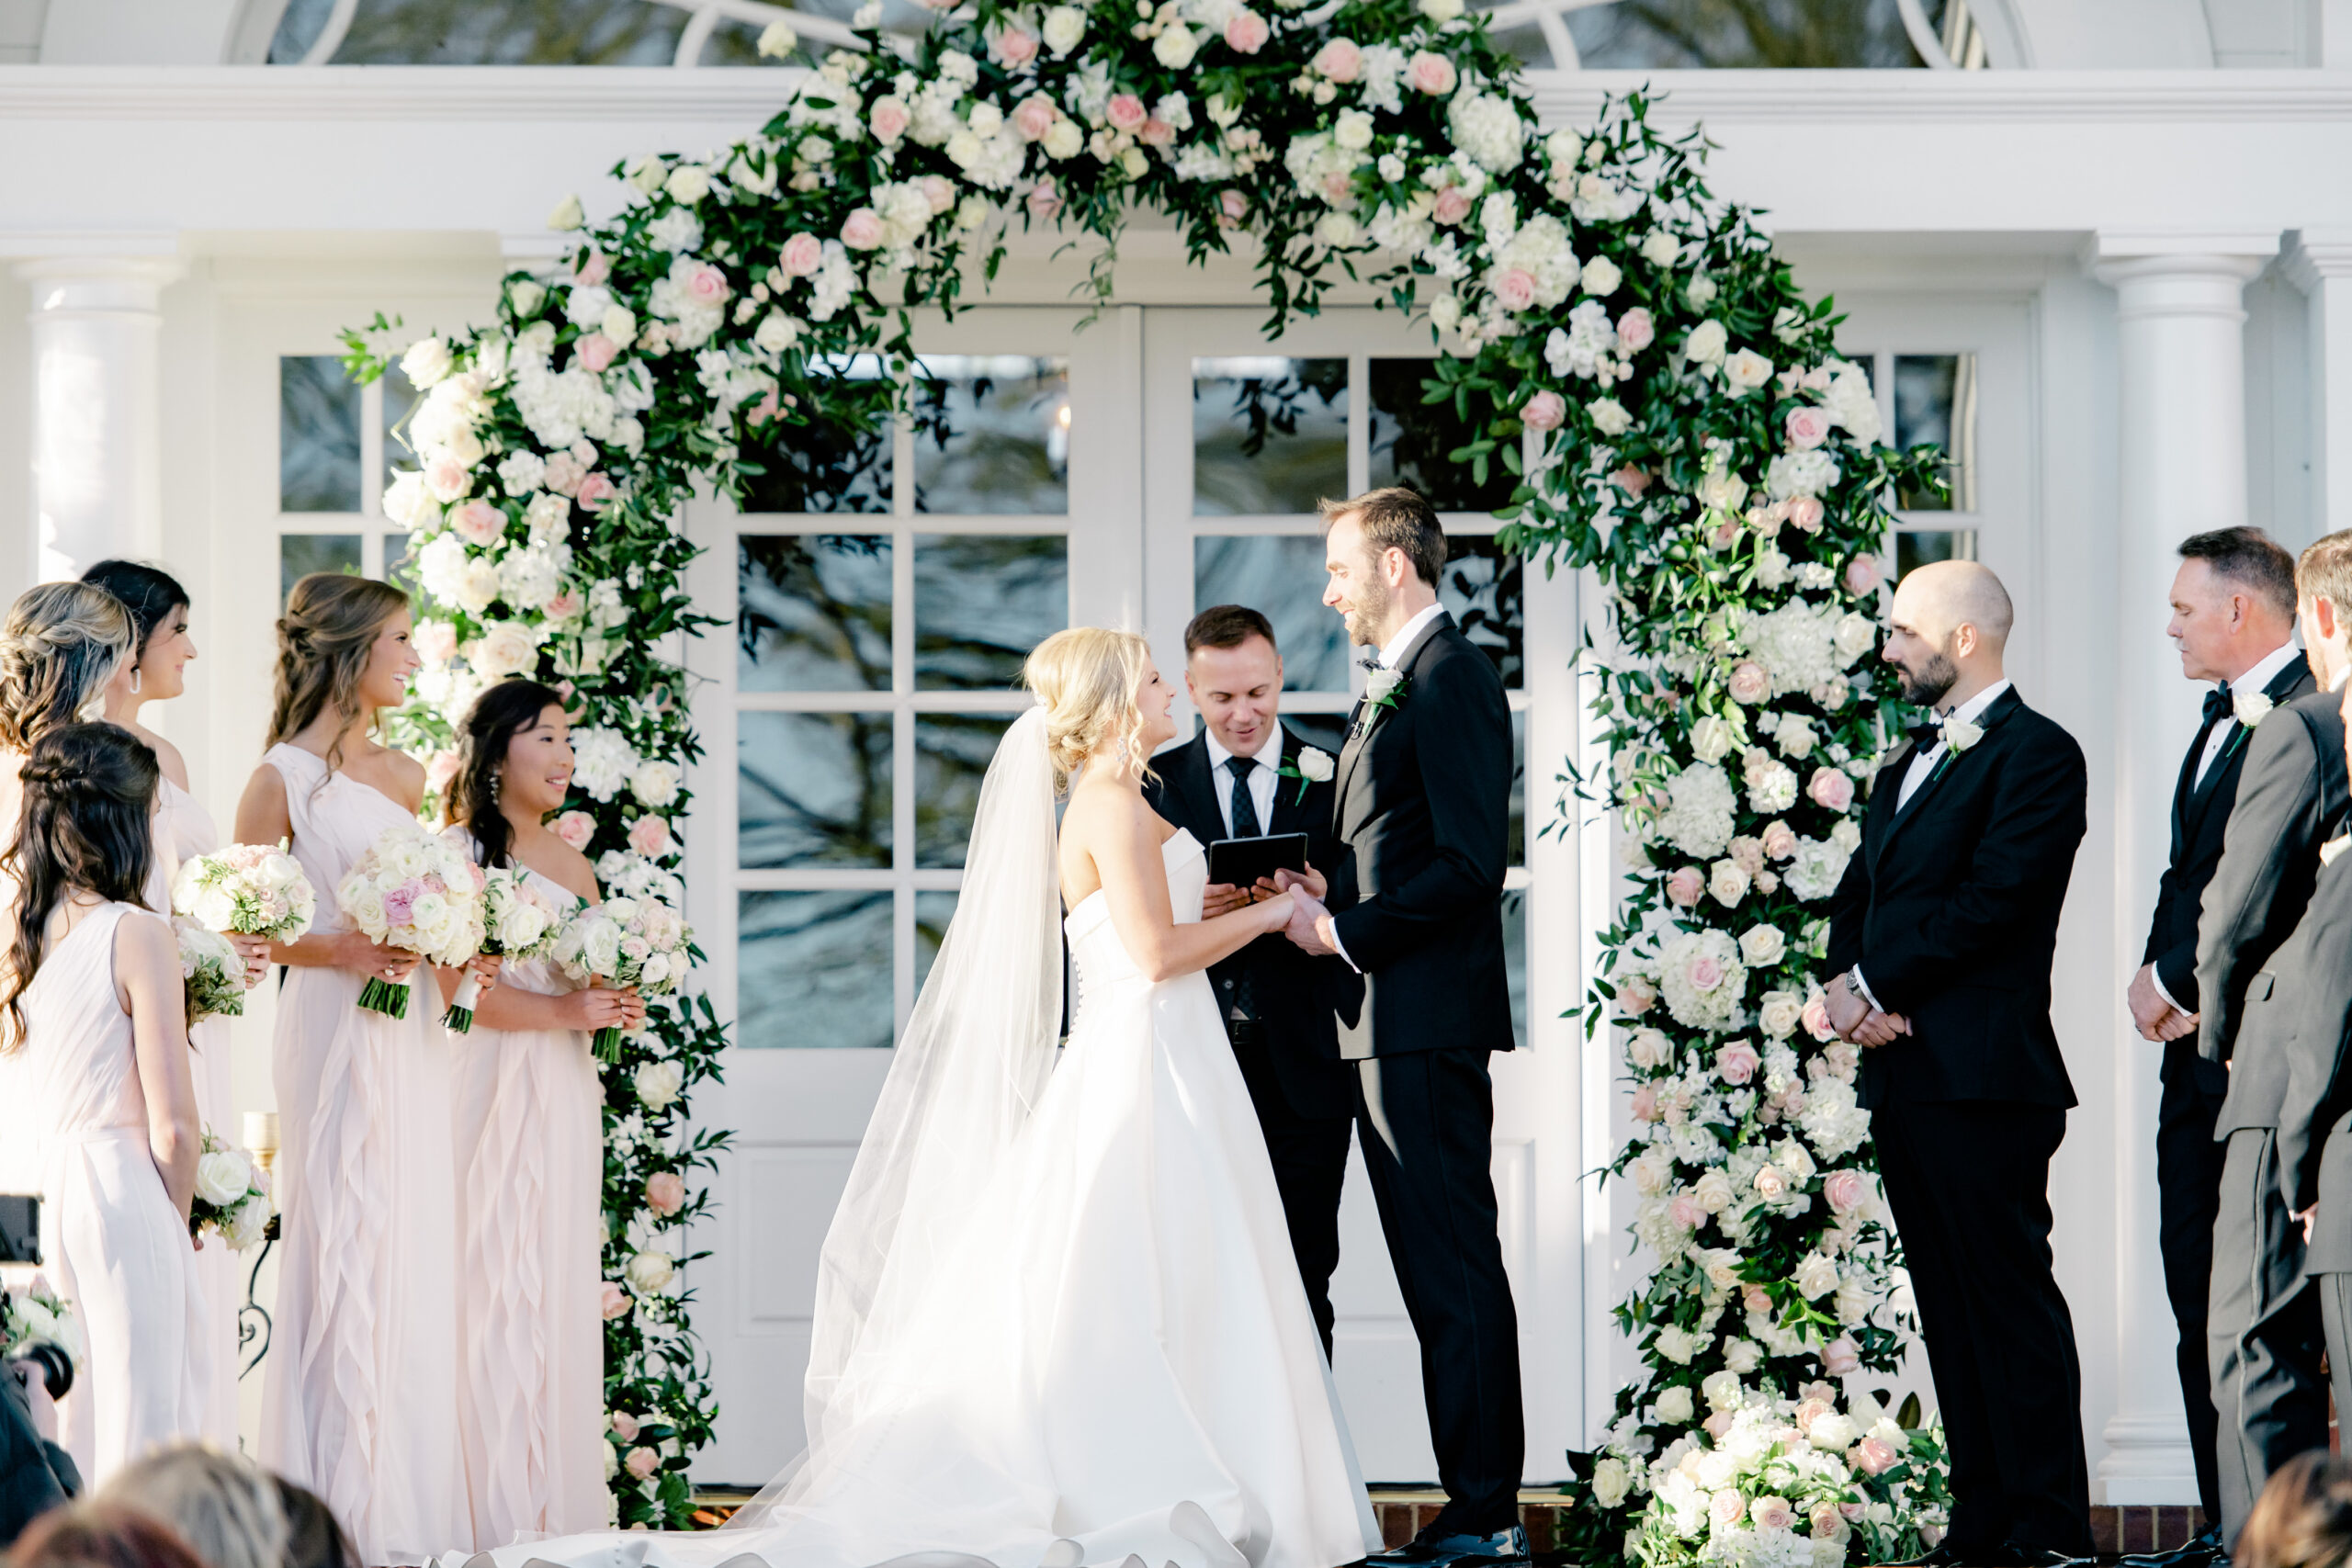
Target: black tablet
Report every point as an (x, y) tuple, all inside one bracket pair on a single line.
[(20, 1228), (1239, 862)]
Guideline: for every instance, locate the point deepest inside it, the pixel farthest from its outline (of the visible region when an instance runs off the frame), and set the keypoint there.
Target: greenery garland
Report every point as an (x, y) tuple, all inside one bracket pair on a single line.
[(1630, 349)]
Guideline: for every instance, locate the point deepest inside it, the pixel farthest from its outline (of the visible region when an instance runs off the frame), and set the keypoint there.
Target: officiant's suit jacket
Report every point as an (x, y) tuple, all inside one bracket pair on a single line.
[(1295, 996), (2290, 801), (1424, 825), (2200, 814), (1951, 906)]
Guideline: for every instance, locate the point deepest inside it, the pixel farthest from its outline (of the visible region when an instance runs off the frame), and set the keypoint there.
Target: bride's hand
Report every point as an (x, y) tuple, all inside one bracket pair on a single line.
[(1276, 909)]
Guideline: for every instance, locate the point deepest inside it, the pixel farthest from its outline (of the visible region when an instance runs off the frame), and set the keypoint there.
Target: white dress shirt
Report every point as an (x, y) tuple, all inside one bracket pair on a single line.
[(2266, 670), (1262, 778)]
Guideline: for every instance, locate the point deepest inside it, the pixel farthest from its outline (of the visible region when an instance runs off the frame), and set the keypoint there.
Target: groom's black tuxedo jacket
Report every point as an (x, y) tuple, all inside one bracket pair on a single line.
[(1424, 821), (1951, 906), (2200, 814), (1294, 996)]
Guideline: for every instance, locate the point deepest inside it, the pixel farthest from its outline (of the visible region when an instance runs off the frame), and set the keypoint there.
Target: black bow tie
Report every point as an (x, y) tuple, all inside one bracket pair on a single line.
[(1926, 737), (1369, 661), (2217, 705)]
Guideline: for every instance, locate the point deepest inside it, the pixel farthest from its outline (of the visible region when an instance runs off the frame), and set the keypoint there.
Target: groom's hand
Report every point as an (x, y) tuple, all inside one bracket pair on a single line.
[(1308, 924), (1847, 1010), (1881, 1029), (2148, 1006), (1316, 885)]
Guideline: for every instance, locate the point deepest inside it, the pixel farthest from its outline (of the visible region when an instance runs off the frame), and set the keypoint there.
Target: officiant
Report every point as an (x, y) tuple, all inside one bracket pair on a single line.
[(1243, 776)]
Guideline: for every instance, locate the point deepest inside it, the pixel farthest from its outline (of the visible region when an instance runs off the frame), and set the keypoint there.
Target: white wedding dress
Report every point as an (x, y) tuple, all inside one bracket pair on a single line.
[(1059, 1320)]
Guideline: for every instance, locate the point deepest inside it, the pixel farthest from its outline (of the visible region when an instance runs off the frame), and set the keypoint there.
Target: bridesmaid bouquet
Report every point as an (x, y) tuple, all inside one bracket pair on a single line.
[(246, 890), (641, 943), (518, 921), (214, 975), (415, 892), (231, 1195)]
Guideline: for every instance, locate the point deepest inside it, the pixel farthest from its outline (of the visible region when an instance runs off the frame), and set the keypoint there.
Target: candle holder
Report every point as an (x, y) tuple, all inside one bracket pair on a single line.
[(254, 1326)]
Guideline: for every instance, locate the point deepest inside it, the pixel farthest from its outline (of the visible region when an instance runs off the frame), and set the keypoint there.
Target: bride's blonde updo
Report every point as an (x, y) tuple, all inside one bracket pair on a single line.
[(1088, 679)]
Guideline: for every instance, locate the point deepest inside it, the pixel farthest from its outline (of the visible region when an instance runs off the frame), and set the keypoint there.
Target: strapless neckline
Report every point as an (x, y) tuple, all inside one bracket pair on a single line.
[(1181, 836)]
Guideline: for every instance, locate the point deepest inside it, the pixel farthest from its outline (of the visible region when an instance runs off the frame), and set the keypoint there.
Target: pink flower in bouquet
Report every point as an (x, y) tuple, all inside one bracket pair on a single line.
[(1045, 201), (1736, 1063), (1747, 853), (1755, 1298), (1832, 787), (1771, 1184), (888, 120), (596, 352), (650, 836), (1634, 481), (625, 1425), (1771, 1514), (447, 478), (564, 473), (441, 770), (1840, 1355), (1804, 513), (1687, 1211), (1807, 426), (1646, 1103), (1727, 532), (1827, 1522), (1862, 574), (1704, 973), (940, 191), (1247, 33), (616, 1301), (1127, 112), (401, 900), (596, 491), (1780, 840), (1545, 411), (1337, 184), (1338, 60), (1452, 205), (594, 267), (1843, 1059), (1873, 1457), (665, 1192), (478, 522), (435, 641), (1816, 1018), (1686, 888), (1636, 330), (1750, 683), (575, 827), (642, 1462), (1233, 204), (1727, 1506), (1156, 133), (1811, 1410), (566, 605), (1431, 73), (803, 253), (705, 285), (1034, 117), (1636, 997), (1853, 1512), (1845, 1190), (1515, 288), (862, 230), (1015, 46)]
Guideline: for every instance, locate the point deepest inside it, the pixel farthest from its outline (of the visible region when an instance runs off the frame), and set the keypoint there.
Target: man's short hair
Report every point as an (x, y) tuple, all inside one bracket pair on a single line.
[(1399, 517), (1228, 625), (2249, 558), (2324, 572)]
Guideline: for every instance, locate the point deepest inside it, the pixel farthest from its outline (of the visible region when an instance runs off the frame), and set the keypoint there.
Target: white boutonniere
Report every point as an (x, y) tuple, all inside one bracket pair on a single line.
[(1309, 767), (2333, 848), (1958, 735), (2251, 707), (1383, 688)]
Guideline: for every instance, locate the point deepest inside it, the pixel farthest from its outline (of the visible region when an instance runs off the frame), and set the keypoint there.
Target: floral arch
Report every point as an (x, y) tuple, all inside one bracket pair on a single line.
[(1676, 418)]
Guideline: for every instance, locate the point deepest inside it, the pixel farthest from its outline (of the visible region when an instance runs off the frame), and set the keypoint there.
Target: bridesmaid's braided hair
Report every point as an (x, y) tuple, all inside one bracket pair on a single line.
[(325, 640), (505, 709), (60, 647), (89, 800)]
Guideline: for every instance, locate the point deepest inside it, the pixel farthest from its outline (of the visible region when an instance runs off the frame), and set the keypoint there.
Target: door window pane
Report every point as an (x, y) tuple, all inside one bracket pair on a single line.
[(1412, 439), (952, 755), (827, 464), (815, 613), (400, 571), (1518, 787), (932, 912), (1515, 960), (813, 970), (813, 789), (1481, 589), (1282, 577), (400, 402), (1935, 402), (1918, 546), (992, 434), (318, 436), (299, 554), (982, 602), (1270, 435)]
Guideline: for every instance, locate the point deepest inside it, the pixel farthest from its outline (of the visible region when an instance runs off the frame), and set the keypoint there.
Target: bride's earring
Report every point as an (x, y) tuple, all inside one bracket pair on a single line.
[(135, 674), (493, 787)]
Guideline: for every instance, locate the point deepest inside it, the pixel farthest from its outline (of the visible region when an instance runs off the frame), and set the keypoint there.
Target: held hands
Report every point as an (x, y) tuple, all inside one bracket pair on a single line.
[(2309, 1217), (1310, 925), (254, 951), (2153, 1017), (1317, 885), (373, 959)]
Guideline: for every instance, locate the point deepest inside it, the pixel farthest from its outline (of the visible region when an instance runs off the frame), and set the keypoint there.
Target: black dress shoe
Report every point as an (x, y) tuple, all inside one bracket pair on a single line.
[(1941, 1556), (2203, 1550), (1504, 1549), (2014, 1555)]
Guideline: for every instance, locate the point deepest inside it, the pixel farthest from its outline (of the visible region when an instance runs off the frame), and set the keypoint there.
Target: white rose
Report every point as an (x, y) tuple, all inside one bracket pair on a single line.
[(1313, 765), (566, 215), (1835, 1431), (1726, 882), (651, 1272), (1611, 1480), (1780, 1013), (1065, 26), (1723, 1391), (655, 784), (1816, 1275), (1762, 946), (1711, 739), (1713, 1190), (1747, 370), (246, 1225), (1856, 635), (1673, 1406), (426, 363), (1707, 343), (1352, 130), (1063, 140), (1609, 416), (658, 1084), (1175, 48), (777, 332), (477, 585), (223, 1177), (1601, 277), (778, 39), (1660, 248), (1441, 11), (508, 648), (619, 324)]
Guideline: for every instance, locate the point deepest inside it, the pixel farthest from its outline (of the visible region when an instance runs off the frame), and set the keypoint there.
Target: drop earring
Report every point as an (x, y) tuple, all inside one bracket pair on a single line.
[(493, 787), (135, 674)]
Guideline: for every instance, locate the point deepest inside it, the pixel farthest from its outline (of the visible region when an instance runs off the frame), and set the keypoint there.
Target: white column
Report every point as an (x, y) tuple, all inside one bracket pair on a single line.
[(2320, 263), (98, 408), (2181, 415)]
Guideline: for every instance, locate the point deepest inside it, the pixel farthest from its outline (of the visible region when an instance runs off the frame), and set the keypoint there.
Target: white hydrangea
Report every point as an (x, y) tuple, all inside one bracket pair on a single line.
[(1833, 1120), (675, 231), (1321, 168), (1589, 338), (1772, 788), (601, 761), (1489, 130), (561, 406), (1540, 248), (439, 565), (1797, 644), (1701, 980), (1813, 871), (1852, 403), (1698, 821), (1800, 473), (520, 472), (1379, 78), (528, 574)]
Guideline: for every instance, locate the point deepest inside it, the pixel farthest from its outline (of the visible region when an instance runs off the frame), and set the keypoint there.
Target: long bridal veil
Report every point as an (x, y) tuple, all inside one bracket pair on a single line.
[(976, 1054)]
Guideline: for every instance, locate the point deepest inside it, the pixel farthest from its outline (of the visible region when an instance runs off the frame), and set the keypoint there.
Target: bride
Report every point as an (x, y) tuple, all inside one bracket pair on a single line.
[(1057, 1321)]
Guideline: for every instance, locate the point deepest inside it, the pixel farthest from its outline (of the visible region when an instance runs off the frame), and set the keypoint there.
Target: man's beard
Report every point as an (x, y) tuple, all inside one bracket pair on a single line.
[(1927, 688), (1365, 621)]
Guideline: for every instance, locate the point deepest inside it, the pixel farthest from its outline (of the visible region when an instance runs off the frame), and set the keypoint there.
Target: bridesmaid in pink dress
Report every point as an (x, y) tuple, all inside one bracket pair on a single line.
[(360, 1398), (530, 1129), (183, 829)]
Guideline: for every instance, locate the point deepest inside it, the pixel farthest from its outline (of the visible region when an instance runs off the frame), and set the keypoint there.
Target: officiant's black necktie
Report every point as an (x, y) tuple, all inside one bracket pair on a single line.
[(1245, 809)]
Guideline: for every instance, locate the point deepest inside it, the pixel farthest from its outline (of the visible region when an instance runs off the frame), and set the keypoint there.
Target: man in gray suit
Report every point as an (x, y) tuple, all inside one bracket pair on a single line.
[(2263, 1332)]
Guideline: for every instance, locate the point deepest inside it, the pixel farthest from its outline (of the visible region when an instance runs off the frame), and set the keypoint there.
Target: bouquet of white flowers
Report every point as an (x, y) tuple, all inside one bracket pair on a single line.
[(246, 890), (641, 942), (232, 1194), (414, 891), (518, 921), (37, 1315), (213, 974)]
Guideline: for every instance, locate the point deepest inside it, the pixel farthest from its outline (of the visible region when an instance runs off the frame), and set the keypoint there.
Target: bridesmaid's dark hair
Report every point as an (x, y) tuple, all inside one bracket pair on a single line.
[(149, 592), (89, 801), (503, 711)]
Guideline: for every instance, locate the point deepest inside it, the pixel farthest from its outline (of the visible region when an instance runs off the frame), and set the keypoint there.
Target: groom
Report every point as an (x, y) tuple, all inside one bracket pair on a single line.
[(1415, 904)]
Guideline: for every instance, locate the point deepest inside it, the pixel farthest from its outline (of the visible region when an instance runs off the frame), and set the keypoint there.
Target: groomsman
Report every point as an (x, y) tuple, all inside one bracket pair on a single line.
[(2233, 620), (1244, 773), (1942, 936), (2263, 1332)]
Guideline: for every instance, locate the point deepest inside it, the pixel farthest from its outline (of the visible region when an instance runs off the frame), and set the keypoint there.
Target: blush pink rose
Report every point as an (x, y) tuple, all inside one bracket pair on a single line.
[(803, 253), (1804, 513), (1749, 681), (1234, 204), (1771, 1182), (1686, 888), (940, 191), (1727, 532), (1816, 1018), (1338, 60), (1873, 1457), (862, 230), (1452, 205), (1515, 288), (1831, 788), (1780, 840), (596, 352), (642, 1462), (478, 522), (441, 769), (595, 492), (1811, 1410), (1045, 201), (1688, 1211), (1844, 1059), (1015, 46), (1853, 1512), (564, 606), (616, 1301), (1247, 33), (1827, 1523), (593, 268), (575, 827), (1431, 74), (447, 478), (1726, 1507), (706, 284), (1807, 426), (1845, 1190), (1127, 112), (1156, 133), (1636, 330), (435, 642), (1034, 117), (1862, 574), (1337, 184), (650, 836), (564, 473), (625, 1425), (1705, 972), (1755, 1298), (1636, 997), (1736, 1063), (1545, 411), (1646, 1103), (888, 120), (665, 1192), (1839, 1357), (1771, 1514), (1631, 480)]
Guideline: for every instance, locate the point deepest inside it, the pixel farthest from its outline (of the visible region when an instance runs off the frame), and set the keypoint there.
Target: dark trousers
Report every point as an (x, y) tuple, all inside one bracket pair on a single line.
[(1426, 1121), (2334, 1294), (1310, 1160), (2262, 1328), (1968, 1183), (2189, 1194)]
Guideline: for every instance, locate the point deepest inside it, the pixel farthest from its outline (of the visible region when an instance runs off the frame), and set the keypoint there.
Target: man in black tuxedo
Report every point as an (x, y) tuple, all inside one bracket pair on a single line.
[(1244, 773), (2233, 621), (2263, 1332), (1941, 935), (1416, 908)]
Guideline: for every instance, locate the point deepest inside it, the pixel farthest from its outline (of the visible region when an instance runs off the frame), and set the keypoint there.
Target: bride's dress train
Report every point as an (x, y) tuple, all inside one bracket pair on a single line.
[(1103, 1351)]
